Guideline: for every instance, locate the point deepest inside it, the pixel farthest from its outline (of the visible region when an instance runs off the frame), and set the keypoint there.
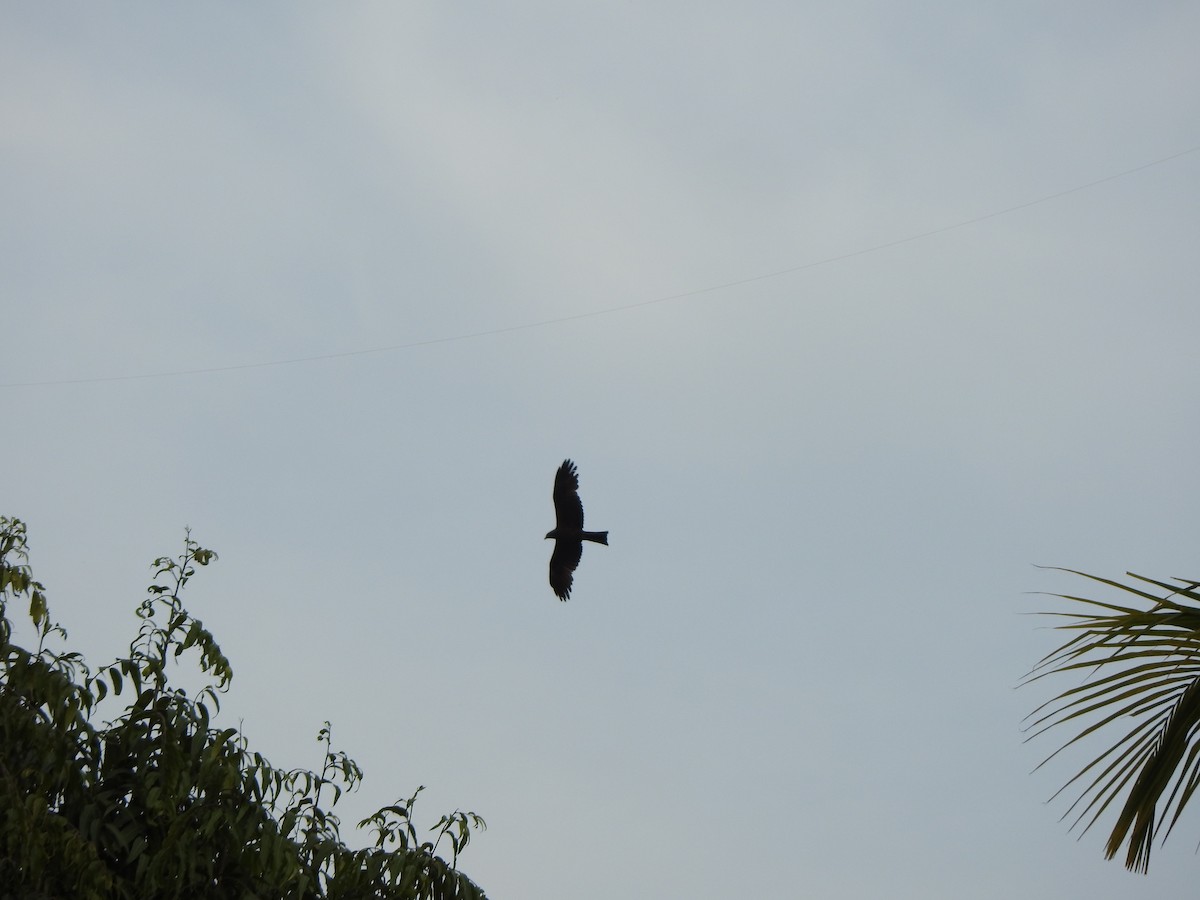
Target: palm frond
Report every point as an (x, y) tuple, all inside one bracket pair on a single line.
[(1140, 663)]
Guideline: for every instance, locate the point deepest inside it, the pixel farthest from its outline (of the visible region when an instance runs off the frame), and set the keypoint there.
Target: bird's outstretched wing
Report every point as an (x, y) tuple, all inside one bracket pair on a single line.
[(563, 562), (568, 508)]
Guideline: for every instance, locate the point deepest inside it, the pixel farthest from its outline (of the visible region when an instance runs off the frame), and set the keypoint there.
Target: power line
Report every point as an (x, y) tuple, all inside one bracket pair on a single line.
[(391, 348)]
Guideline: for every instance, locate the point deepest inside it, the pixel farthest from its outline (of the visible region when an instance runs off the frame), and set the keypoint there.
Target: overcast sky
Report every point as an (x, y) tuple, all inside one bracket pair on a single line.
[(793, 671)]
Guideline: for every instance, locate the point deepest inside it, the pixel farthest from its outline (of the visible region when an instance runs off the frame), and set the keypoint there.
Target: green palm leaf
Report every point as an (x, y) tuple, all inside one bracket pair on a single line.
[(1140, 663)]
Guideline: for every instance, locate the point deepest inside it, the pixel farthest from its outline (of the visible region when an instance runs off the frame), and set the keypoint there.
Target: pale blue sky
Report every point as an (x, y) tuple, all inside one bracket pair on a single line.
[(792, 672)]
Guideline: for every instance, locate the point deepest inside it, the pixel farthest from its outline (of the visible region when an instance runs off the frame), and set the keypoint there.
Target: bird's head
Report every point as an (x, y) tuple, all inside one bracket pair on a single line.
[(551, 534)]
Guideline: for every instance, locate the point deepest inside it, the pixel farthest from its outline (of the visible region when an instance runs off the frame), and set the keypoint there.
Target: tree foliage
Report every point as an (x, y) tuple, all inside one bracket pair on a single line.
[(161, 803), (1136, 665)]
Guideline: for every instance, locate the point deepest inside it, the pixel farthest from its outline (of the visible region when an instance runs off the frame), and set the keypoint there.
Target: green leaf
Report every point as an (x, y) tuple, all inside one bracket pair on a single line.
[(37, 607)]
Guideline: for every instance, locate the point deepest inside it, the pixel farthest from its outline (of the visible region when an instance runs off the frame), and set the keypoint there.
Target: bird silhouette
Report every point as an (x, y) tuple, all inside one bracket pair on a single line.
[(568, 531)]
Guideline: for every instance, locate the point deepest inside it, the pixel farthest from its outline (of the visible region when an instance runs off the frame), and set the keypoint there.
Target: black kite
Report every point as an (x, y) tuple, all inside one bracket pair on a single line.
[(568, 531)]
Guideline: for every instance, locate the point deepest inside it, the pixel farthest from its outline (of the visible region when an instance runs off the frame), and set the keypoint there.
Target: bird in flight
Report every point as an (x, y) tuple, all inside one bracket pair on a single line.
[(568, 530)]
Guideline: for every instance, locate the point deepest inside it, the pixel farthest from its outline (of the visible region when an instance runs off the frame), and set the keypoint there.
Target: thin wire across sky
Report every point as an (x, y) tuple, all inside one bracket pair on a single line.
[(609, 310)]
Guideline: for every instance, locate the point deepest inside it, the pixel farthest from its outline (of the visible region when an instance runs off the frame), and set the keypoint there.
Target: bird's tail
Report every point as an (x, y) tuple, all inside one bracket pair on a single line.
[(600, 537)]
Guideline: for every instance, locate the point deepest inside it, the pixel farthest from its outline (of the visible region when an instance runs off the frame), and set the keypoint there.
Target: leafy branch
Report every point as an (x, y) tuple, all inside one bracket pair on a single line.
[(162, 803), (1140, 661)]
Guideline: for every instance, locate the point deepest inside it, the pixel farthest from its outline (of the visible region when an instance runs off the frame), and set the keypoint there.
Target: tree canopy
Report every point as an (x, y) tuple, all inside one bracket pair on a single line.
[(159, 802)]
